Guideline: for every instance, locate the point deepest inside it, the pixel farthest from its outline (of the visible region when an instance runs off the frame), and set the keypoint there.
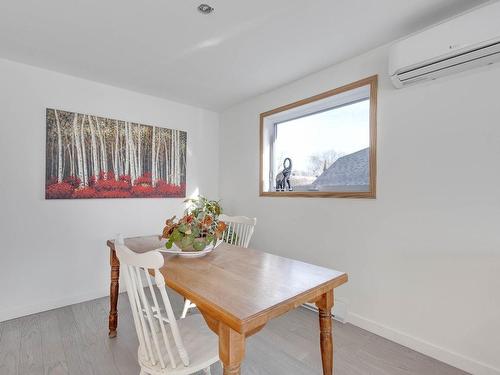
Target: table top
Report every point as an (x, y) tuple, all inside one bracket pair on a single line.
[(246, 287)]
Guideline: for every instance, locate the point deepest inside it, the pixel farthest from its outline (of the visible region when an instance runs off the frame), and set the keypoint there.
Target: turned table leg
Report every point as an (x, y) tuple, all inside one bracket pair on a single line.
[(113, 293), (325, 304), (231, 349)]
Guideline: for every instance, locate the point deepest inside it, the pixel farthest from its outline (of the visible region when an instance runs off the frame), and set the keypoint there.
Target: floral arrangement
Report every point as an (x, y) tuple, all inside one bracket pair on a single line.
[(198, 228)]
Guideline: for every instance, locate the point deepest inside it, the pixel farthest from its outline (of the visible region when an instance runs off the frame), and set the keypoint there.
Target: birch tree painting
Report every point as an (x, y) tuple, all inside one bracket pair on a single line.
[(94, 157)]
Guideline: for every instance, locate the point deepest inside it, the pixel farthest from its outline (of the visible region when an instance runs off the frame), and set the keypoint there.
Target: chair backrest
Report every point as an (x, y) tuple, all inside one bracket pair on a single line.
[(239, 229), (150, 325)]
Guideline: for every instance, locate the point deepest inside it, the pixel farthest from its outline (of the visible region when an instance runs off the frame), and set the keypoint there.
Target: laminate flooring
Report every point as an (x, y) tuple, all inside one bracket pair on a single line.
[(73, 340)]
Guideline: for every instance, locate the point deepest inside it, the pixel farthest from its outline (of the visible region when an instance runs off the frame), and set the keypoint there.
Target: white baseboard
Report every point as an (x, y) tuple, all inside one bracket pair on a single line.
[(339, 311), (444, 355), (20, 311)]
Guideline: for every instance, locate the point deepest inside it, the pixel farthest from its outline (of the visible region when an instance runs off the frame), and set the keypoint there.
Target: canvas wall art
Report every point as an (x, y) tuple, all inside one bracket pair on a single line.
[(94, 157)]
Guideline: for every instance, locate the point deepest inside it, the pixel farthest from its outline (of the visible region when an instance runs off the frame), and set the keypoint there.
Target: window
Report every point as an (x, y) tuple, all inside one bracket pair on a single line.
[(322, 146)]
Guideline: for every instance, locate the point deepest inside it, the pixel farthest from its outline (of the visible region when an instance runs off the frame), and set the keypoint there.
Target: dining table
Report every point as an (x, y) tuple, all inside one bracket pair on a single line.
[(238, 290)]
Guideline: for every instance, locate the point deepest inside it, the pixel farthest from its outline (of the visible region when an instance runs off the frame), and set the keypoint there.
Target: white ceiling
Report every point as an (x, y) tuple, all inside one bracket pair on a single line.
[(166, 48)]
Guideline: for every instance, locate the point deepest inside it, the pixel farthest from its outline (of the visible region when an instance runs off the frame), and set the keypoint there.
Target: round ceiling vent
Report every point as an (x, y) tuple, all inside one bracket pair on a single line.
[(205, 8)]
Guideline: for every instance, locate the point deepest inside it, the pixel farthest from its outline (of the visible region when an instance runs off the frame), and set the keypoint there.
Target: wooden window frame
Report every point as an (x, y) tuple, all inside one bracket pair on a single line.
[(373, 83)]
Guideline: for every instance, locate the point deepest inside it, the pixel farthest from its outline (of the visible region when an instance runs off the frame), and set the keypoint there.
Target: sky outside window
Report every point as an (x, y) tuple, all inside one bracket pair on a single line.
[(344, 130)]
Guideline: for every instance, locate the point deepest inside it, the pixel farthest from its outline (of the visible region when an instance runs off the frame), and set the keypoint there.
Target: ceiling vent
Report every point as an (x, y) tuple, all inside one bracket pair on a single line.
[(205, 8)]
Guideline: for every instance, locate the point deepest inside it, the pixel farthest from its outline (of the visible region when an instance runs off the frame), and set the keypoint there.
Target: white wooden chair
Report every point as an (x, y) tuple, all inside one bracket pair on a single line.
[(239, 232), (239, 229), (173, 348)]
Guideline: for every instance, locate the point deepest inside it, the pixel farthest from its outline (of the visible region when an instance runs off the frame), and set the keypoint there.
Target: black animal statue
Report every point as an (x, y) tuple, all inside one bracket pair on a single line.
[(283, 177)]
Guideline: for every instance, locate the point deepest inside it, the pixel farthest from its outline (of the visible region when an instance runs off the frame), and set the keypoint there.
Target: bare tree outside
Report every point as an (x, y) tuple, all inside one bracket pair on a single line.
[(320, 162)]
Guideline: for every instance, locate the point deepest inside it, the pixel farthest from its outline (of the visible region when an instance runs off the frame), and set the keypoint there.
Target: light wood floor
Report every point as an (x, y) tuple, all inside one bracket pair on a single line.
[(73, 340)]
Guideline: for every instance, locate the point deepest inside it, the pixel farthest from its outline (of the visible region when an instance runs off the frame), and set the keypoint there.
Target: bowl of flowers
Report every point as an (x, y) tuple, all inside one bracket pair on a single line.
[(198, 232)]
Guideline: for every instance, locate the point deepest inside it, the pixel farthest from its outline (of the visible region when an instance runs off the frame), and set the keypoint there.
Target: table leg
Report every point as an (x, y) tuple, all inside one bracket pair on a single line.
[(113, 293), (231, 349), (325, 304)]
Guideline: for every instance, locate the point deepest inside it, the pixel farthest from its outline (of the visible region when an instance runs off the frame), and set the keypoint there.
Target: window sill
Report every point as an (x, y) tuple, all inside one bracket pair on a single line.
[(321, 194)]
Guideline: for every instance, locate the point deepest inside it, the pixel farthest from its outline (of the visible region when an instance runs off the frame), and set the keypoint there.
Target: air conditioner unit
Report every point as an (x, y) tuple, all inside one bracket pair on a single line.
[(464, 42)]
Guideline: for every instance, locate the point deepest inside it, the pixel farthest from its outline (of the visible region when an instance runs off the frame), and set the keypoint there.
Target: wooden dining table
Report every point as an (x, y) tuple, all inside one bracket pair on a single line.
[(238, 290)]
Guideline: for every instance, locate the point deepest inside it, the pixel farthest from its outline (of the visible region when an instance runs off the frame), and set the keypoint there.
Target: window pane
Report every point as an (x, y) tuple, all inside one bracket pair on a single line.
[(329, 150)]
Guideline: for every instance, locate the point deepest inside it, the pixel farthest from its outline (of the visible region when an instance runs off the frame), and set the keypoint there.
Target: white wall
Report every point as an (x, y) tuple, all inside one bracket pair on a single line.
[(424, 257), (52, 252)]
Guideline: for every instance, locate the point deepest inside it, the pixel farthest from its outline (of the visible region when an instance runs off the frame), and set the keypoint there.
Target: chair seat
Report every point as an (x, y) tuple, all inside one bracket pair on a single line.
[(201, 344)]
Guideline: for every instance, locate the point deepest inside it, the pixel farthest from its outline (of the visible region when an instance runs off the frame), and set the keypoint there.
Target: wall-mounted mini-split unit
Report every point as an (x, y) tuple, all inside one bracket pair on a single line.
[(467, 41)]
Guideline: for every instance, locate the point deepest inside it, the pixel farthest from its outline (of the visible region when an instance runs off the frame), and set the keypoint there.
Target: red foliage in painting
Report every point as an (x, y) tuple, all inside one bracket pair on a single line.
[(84, 193), (92, 180), (142, 191), (164, 189), (108, 185), (73, 181), (51, 181), (110, 175), (105, 186), (145, 179), (113, 194), (62, 190), (125, 177)]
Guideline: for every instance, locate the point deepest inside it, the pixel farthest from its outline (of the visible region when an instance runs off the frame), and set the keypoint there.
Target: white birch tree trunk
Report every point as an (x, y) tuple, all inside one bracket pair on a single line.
[(136, 158), (71, 160), (139, 156), (72, 172), (166, 160), (59, 149), (113, 165), (177, 169), (63, 161), (178, 157), (105, 147), (95, 166), (132, 155), (174, 161), (102, 141), (126, 166), (121, 156), (84, 153), (78, 149), (70, 156), (157, 155), (101, 147), (116, 167), (171, 158), (153, 161)]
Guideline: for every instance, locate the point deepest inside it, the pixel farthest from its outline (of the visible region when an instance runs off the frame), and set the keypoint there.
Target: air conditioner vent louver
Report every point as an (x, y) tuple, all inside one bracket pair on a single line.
[(481, 56), (435, 52)]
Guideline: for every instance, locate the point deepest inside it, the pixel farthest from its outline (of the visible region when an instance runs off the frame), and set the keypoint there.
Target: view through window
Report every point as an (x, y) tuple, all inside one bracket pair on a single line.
[(316, 142)]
